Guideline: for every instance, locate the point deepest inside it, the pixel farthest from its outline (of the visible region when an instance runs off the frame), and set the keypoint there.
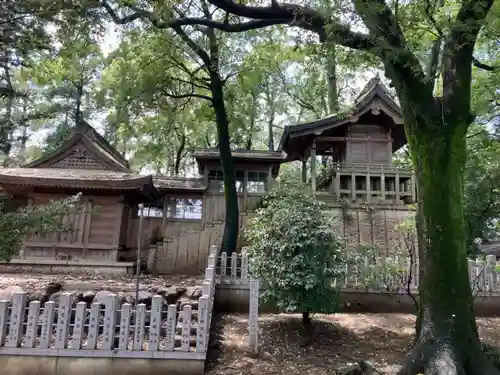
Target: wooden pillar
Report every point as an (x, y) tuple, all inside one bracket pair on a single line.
[(368, 187), (313, 167), (398, 195), (269, 178), (353, 187), (304, 170), (382, 186), (337, 183), (205, 175), (118, 229)]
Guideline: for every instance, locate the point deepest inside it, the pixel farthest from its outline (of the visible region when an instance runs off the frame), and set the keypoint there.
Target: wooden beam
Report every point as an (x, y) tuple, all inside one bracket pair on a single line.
[(345, 139)]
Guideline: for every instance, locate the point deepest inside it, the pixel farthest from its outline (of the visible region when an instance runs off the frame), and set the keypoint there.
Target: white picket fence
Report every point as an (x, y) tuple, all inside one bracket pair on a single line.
[(381, 274), (109, 331)]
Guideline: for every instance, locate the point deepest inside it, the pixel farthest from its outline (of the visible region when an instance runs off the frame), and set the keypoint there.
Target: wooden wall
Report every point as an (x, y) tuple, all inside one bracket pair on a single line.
[(95, 235)]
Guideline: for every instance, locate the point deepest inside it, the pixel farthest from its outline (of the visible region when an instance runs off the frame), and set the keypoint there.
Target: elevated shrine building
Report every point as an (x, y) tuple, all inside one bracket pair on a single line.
[(183, 217)]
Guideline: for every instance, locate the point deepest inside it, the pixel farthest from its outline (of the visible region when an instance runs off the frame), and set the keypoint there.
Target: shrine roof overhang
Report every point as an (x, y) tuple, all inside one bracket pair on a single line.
[(374, 100), (242, 157), (79, 179), (179, 184)]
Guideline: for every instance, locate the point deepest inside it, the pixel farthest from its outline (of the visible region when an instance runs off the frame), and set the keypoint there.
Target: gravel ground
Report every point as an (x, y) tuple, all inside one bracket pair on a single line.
[(36, 283)]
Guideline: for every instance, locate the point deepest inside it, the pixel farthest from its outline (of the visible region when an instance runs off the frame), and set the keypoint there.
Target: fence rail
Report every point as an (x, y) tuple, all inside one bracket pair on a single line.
[(397, 274), (75, 330)]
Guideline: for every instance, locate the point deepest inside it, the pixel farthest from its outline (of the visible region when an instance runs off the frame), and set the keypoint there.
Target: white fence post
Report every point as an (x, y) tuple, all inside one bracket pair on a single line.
[(76, 342), (124, 326), (16, 320), (47, 324), (140, 312), (244, 268), (202, 329), (94, 320), (32, 324), (491, 260), (63, 320), (480, 275), (170, 327), (155, 323), (4, 305), (234, 266), (223, 266), (253, 316), (186, 328), (109, 322)]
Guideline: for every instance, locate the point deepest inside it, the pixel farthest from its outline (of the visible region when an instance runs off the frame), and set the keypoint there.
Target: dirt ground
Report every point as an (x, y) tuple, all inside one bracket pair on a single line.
[(339, 340)]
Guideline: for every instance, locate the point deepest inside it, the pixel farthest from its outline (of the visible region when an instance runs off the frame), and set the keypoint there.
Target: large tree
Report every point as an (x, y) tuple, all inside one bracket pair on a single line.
[(436, 127)]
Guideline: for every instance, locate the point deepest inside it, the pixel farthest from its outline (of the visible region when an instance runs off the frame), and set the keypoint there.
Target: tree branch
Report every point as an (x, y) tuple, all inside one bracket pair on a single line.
[(458, 57), (190, 21), (480, 65)]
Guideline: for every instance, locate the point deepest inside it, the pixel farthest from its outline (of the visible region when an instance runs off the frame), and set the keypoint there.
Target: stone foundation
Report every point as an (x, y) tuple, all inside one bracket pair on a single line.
[(234, 298), (67, 267), (28, 365)]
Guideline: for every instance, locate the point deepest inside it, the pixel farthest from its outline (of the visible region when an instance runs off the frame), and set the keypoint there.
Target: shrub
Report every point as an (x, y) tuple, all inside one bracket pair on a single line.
[(294, 251)]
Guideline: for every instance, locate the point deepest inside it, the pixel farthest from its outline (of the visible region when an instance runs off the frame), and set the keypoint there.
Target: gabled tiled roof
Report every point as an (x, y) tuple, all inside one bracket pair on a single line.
[(87, 136)]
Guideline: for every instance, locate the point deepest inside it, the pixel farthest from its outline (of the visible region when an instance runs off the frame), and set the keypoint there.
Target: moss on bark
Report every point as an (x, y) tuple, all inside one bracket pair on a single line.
[(448, 340)]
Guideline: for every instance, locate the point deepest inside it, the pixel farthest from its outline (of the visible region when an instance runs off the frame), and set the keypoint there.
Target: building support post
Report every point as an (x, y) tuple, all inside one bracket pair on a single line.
[(313, 167)]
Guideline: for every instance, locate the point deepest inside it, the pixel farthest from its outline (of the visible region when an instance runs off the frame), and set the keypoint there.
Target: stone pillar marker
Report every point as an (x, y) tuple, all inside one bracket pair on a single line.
[(32, 324), (155, 323), (124, 326), (76, 343), (170, 327), (16, 320), (253, 316), (140, 312)]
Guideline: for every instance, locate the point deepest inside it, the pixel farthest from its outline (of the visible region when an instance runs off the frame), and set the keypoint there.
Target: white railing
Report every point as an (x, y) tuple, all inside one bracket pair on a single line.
[(63, 329), (381, 274)]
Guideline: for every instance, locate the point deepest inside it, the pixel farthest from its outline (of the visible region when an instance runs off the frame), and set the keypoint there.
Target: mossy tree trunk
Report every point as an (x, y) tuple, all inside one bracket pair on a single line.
[(448, 341)]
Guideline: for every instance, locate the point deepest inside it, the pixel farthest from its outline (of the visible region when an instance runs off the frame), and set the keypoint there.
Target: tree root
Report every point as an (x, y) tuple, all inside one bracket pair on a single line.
[(431, 358)]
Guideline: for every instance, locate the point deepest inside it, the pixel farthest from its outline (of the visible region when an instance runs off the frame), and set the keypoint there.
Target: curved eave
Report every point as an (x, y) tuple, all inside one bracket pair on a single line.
[(129, 184), (311, 129)]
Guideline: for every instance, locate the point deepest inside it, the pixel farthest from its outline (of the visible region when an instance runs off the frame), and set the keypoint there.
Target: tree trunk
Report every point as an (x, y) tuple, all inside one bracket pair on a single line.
[(231, 225), (448, 340), (308, 328)]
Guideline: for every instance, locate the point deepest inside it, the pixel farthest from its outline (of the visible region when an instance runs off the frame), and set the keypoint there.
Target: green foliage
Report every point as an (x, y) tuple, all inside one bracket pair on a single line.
[(16, 222), (295, 252)]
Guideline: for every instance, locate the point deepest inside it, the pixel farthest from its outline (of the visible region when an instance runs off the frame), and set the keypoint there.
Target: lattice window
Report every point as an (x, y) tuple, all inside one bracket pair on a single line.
[(79, 159), (184, 208)]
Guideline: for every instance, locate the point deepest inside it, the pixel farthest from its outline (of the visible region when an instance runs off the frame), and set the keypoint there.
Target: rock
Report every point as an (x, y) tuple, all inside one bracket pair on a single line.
[(195, 293), (350, 370), (102, 296), (8, 293), (75, 297), (182, 303), (52, 288), (88, 297), (367, 367), (180, 290), (144, 297), (154, 289), (171, 295), (38, 296)]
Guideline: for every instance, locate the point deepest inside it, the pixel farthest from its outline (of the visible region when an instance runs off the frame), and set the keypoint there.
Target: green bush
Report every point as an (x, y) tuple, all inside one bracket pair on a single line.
[(295, 252)]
